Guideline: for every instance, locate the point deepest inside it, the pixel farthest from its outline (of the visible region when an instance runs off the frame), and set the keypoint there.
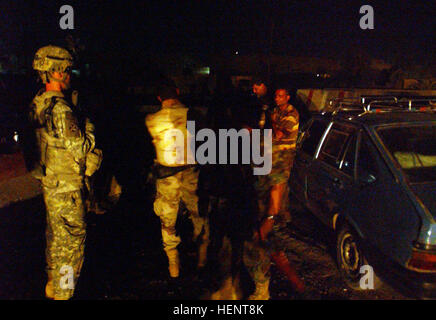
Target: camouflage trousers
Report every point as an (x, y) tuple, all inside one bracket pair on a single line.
[(65, 235), (229, 228), (257, 253), (170, 191), (282, 162)]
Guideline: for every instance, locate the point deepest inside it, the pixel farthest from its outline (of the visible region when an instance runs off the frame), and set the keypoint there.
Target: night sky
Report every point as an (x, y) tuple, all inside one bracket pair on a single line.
[(130, 30)]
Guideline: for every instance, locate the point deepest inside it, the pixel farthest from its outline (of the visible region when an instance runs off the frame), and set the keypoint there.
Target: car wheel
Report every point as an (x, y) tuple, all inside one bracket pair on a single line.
[(350, 259)]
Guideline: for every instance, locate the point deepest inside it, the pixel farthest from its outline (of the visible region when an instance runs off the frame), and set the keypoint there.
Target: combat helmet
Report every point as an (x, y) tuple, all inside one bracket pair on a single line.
[(50, 59)]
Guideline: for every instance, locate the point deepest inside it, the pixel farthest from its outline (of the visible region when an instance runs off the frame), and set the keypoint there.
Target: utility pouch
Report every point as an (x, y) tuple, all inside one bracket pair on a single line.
[(93, 161)]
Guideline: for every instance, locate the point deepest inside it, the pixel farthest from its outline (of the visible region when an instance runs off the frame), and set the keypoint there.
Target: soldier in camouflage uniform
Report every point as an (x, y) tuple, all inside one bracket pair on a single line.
[(273, 202), (64, 143), (175, 180)]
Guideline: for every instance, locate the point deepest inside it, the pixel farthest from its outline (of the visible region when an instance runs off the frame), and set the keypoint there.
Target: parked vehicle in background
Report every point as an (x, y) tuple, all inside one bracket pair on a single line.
[(367, 170)]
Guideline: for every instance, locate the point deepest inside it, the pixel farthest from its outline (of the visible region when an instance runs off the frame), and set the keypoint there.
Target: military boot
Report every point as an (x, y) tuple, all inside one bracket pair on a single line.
[(225, 292), (237, 290), (261, 292), (228, 291), (173, 263), (49, 290)]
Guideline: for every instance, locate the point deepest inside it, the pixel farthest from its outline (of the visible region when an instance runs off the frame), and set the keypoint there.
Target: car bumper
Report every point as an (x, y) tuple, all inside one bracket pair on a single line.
[(407, 282), (414, 284)]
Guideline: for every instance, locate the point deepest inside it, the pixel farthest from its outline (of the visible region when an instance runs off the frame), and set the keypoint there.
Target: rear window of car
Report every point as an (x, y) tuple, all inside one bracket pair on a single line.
[(414, 149), (312, 136)]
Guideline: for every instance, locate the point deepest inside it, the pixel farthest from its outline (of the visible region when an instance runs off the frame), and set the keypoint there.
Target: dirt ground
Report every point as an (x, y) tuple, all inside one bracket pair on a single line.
[(125, 261), (311, 249)]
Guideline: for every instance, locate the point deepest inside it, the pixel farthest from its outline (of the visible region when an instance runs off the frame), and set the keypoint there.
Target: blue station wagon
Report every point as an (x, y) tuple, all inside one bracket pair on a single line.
[(368, 172)]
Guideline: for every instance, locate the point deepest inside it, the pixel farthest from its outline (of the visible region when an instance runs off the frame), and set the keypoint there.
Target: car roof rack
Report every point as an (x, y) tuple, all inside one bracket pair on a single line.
[(372, 103)]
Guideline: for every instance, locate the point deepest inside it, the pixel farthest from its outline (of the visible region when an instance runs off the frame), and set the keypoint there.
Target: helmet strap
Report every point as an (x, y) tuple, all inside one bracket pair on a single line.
[(43, 76)]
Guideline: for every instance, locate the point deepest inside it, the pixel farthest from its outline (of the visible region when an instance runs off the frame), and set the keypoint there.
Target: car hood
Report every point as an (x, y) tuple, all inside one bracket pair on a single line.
[(426, 192)]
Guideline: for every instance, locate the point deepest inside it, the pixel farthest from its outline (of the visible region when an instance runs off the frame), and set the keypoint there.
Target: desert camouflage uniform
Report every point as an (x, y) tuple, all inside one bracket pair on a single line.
[(257, 254), (64, 146), (169, 192), (181, 186)]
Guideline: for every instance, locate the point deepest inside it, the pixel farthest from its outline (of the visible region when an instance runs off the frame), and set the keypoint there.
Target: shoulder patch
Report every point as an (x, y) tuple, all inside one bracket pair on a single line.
[(71, 125)]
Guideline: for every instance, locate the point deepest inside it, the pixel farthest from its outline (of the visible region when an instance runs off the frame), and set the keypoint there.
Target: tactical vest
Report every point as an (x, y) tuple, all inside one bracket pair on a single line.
[(160, 126), (60, 168)]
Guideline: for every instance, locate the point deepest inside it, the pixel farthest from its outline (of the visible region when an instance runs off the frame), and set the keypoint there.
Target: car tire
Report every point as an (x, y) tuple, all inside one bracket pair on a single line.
[(350, 259)]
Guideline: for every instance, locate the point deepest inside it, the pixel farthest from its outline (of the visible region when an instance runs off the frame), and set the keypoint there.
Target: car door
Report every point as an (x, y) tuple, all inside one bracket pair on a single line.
[(332, 172), (307, 145), (381, 210)]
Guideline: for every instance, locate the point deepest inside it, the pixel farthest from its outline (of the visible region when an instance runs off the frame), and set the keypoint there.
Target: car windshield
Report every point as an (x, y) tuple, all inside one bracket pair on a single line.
[(414, 148)]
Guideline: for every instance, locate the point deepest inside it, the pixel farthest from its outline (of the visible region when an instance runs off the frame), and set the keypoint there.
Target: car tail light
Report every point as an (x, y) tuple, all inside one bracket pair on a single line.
[(424, 261)]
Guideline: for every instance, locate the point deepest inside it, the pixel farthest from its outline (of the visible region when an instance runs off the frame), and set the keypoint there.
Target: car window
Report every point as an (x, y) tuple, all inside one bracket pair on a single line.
[(366, 163), (348, 163), (312, 136), (333, 146), (414, 149)]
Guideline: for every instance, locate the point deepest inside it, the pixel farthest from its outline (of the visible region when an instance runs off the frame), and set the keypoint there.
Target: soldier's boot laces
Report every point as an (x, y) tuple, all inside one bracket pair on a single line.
[(173, 264), (261, 292)]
